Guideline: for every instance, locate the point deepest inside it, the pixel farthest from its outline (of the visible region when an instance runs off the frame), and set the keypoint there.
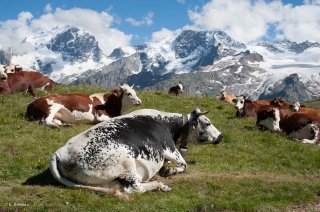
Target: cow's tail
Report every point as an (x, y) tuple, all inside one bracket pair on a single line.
[(114, 191)]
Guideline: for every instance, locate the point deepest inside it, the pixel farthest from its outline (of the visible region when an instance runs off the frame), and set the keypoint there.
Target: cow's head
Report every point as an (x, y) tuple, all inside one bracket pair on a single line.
[(3, 73), (278, 102), (129, 97), (204, 131), (239, 101), (180, 85), (269, 119), (295, 107)]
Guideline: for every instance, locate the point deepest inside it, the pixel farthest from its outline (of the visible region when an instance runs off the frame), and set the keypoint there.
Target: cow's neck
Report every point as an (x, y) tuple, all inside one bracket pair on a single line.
[(181, 130)]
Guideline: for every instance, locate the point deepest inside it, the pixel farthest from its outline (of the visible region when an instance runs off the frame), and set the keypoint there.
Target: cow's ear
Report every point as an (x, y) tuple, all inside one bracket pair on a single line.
[(302, 106)]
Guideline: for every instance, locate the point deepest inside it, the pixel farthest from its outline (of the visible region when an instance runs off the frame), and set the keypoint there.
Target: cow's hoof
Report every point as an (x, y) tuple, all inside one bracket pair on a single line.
[(165, 187), (123, 195)]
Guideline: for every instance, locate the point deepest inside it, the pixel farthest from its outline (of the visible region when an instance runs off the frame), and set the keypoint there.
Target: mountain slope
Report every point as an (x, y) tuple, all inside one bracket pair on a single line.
[(206, 61)]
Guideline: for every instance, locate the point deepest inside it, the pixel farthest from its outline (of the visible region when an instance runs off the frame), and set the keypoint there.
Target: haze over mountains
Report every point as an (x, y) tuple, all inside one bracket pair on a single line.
[(205, 61)]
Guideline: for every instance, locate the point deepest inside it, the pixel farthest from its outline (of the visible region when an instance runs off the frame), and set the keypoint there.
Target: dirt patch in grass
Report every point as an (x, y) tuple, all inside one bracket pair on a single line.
[(265, 176), (312, 207)]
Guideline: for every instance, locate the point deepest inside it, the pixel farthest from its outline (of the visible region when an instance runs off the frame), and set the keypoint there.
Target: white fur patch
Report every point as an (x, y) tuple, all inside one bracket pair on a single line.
[(308, 134)]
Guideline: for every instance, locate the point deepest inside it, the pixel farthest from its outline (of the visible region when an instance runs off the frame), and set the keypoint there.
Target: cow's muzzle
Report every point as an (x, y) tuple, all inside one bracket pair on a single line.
[(219, 139)]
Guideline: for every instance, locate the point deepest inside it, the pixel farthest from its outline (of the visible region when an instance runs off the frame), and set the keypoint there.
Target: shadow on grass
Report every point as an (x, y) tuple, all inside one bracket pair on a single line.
[(43, 179)]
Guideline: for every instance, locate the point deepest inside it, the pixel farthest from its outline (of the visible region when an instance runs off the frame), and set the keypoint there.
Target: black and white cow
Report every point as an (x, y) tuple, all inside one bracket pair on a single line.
[(176, 90), (121, 155)]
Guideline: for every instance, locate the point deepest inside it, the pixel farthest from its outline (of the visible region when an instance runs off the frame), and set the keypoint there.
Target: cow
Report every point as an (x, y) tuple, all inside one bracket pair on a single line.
[(300, 126), (297, 107), (66, 109), (23, 81), (248, 108), (121, 155), (176, 90), (277, 102), (227, 97), (15, 83)]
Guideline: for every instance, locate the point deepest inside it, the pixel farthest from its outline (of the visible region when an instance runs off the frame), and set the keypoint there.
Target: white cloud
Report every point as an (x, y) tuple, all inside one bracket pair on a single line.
[(96, 23), (146, 20), (164, 33), (248, 21)]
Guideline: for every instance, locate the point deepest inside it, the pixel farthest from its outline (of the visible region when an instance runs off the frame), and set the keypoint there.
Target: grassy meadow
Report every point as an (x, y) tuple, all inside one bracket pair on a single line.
[(250, 170)]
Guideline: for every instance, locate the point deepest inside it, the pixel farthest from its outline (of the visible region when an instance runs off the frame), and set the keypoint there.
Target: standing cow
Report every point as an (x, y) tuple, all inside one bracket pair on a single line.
[(121, 155), (64, 109), (176, 90)]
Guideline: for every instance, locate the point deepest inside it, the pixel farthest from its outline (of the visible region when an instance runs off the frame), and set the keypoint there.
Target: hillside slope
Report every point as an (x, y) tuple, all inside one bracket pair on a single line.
[(250, 170)]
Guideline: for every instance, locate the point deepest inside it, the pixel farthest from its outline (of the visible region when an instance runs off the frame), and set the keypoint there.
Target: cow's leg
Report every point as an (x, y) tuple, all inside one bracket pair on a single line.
[(51, 120), (176, 158), (31, 90), (131, 183), (102, 117)]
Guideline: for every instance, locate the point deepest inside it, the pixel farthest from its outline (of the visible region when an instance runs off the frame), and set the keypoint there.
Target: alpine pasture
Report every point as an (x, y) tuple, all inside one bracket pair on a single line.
[(250, 170)]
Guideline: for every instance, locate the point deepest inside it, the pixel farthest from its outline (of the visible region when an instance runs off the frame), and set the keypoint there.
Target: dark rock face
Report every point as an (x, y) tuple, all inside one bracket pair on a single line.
[(75, 45), (112, 75), (4, 58), (117, 53), (290, 89)]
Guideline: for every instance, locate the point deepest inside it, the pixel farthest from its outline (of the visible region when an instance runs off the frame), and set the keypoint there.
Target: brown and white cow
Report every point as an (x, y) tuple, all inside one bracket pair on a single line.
[(12, 83), (227, 97), (65, 109), (297, 107), (176, 90), (300, 126), (23, 81), (248, 108)]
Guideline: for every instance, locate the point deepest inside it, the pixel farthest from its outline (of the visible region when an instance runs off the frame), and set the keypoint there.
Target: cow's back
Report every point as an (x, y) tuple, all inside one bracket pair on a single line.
[(38, 79)]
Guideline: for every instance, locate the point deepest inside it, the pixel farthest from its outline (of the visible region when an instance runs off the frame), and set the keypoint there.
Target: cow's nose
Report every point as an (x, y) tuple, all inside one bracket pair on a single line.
[(219, 139), (139, 102)]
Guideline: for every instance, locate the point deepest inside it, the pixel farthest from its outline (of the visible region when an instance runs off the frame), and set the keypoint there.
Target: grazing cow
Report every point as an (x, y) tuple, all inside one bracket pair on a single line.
[(300, 126), (176, 90), (65, 109), (227, 97), (121, 155)]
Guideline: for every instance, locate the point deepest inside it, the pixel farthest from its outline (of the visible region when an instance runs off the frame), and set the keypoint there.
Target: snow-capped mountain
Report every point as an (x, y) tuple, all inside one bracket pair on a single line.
[(63, 53), (206, 61)]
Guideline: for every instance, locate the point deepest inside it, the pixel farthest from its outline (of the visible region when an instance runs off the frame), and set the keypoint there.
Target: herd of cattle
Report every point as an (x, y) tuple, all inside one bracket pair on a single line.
[(121, 153)]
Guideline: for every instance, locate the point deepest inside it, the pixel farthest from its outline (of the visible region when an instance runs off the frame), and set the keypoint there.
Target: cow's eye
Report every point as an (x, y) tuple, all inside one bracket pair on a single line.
[(129, 94), (241, 102), (208, 124)]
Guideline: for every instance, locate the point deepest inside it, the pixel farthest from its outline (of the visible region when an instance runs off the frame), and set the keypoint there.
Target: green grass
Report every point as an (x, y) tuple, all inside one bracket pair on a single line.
[(250, 170)]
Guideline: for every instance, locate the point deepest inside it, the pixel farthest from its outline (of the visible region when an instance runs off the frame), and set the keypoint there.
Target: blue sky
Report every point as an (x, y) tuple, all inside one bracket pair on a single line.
[(134, 21)]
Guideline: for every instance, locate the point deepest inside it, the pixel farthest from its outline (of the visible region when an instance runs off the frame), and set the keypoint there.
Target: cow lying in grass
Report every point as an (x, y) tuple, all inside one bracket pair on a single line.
[(64, 109), (301, 126), (23, 81), (248, 108), (121, 155)]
